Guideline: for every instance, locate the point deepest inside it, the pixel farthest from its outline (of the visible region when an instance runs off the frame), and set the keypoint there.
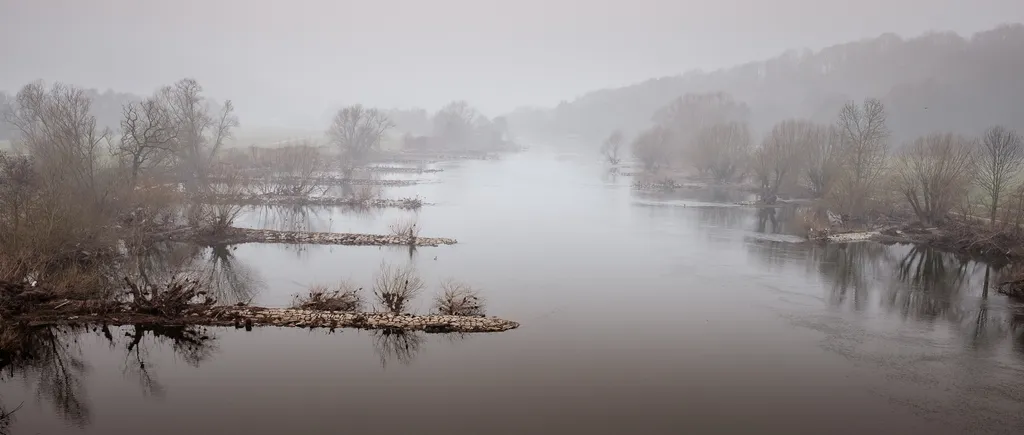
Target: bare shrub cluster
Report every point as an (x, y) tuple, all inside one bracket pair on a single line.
[(395, 287), (458, 299), (343, 297), (407, 228)]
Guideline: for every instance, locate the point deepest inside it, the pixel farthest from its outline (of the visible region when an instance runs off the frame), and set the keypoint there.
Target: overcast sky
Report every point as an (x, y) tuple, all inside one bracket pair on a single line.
[(303, 56)]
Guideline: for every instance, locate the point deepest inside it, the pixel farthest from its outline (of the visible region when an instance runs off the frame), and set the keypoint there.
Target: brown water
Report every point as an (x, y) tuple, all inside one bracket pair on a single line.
[(640, 314)]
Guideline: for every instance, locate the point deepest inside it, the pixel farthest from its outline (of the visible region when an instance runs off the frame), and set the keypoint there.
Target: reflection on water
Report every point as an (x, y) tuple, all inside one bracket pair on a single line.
[(640, 312), (50, 363), (228, 279), (396, 345)]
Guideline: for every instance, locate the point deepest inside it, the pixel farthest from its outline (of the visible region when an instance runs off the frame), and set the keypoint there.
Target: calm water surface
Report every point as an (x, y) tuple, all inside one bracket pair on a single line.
[(640, 314)]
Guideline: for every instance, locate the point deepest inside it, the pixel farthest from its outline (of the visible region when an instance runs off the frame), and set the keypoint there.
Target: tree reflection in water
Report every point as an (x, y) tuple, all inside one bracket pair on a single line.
[(49, 360), (226, 279), (396, 345), (921, 284)]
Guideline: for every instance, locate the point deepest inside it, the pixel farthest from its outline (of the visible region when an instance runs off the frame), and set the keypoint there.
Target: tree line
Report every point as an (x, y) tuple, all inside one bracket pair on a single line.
[(848, 162)]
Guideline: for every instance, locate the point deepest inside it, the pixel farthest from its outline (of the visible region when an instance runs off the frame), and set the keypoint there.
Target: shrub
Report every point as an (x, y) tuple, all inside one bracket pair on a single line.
[(394, 287)]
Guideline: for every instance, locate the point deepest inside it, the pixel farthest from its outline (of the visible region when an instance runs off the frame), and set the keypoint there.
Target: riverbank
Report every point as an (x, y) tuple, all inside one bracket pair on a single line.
[(955, 237)]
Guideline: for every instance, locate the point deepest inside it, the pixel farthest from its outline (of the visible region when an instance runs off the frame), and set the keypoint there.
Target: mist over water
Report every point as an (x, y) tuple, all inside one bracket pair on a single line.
[(640, 313)]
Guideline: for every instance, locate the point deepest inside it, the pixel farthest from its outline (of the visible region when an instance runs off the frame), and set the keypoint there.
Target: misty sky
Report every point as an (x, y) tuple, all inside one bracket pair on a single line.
[(288, 59)]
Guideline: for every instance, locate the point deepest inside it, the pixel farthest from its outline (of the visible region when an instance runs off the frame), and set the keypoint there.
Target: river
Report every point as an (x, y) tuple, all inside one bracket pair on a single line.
[(641, 313)]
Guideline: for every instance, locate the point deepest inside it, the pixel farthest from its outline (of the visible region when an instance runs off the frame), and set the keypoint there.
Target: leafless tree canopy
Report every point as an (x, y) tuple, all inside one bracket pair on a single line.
[(148, 136), (60, 133), (934, 174), (653, 147), (1000, 161), (864, 149), (686, 116), (823, 160), (721, 150), (456, 123), (780, 155), (611, 147), (357, 131), (200, 129)]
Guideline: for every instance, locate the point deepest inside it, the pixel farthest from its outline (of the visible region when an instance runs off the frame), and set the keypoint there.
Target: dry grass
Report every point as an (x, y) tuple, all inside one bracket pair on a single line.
[(406, 228), (395, 287), (343, 297), (458, 299)]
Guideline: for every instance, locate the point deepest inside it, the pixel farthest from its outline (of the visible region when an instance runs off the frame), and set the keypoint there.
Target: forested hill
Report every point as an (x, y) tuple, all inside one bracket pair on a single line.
[(933, 82)]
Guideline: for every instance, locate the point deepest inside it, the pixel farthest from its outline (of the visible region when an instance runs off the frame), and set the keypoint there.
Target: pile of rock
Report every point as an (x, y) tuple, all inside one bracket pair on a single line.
[(249, 235), (288, 317)]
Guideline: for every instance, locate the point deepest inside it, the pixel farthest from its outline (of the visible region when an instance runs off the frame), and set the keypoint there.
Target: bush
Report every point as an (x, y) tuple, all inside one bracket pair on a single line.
[(394, 287), (405, 228), (344, 297), (458, 299)]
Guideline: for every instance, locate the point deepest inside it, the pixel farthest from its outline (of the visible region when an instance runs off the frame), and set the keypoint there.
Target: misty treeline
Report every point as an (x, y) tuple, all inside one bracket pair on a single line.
[(848, 163), (357, 132), (936, 81), (457, 126)]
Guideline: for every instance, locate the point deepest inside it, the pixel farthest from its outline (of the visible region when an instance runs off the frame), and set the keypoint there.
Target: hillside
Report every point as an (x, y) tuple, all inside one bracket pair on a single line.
[(932, 82)]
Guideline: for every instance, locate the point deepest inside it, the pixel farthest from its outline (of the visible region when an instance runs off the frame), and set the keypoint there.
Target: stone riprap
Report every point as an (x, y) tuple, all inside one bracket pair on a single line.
[(249, 317), (234, 236), (336, 319)]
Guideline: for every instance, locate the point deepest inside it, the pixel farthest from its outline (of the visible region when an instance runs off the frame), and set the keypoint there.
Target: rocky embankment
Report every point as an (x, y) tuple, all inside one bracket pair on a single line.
[(244, 199), (232, 236), (248, 317)]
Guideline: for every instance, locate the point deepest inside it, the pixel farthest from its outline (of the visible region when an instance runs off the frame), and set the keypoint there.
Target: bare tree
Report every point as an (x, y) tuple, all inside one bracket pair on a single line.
[(823, 160), (200, 129), (653, 147), (357, 131), (611, 147), (722, 149), (1000, 160), (394, 287), (60, 133), (457, 123), (864, 143), (934, 174), (687, 115), (780, 156), (148, 136)]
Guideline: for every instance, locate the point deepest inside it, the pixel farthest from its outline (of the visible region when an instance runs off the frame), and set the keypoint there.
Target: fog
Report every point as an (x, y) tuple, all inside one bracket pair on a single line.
[(290, 64)]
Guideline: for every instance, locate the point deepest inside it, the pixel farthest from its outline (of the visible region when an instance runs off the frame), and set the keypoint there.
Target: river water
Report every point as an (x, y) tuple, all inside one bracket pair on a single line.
[(640, 313)]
